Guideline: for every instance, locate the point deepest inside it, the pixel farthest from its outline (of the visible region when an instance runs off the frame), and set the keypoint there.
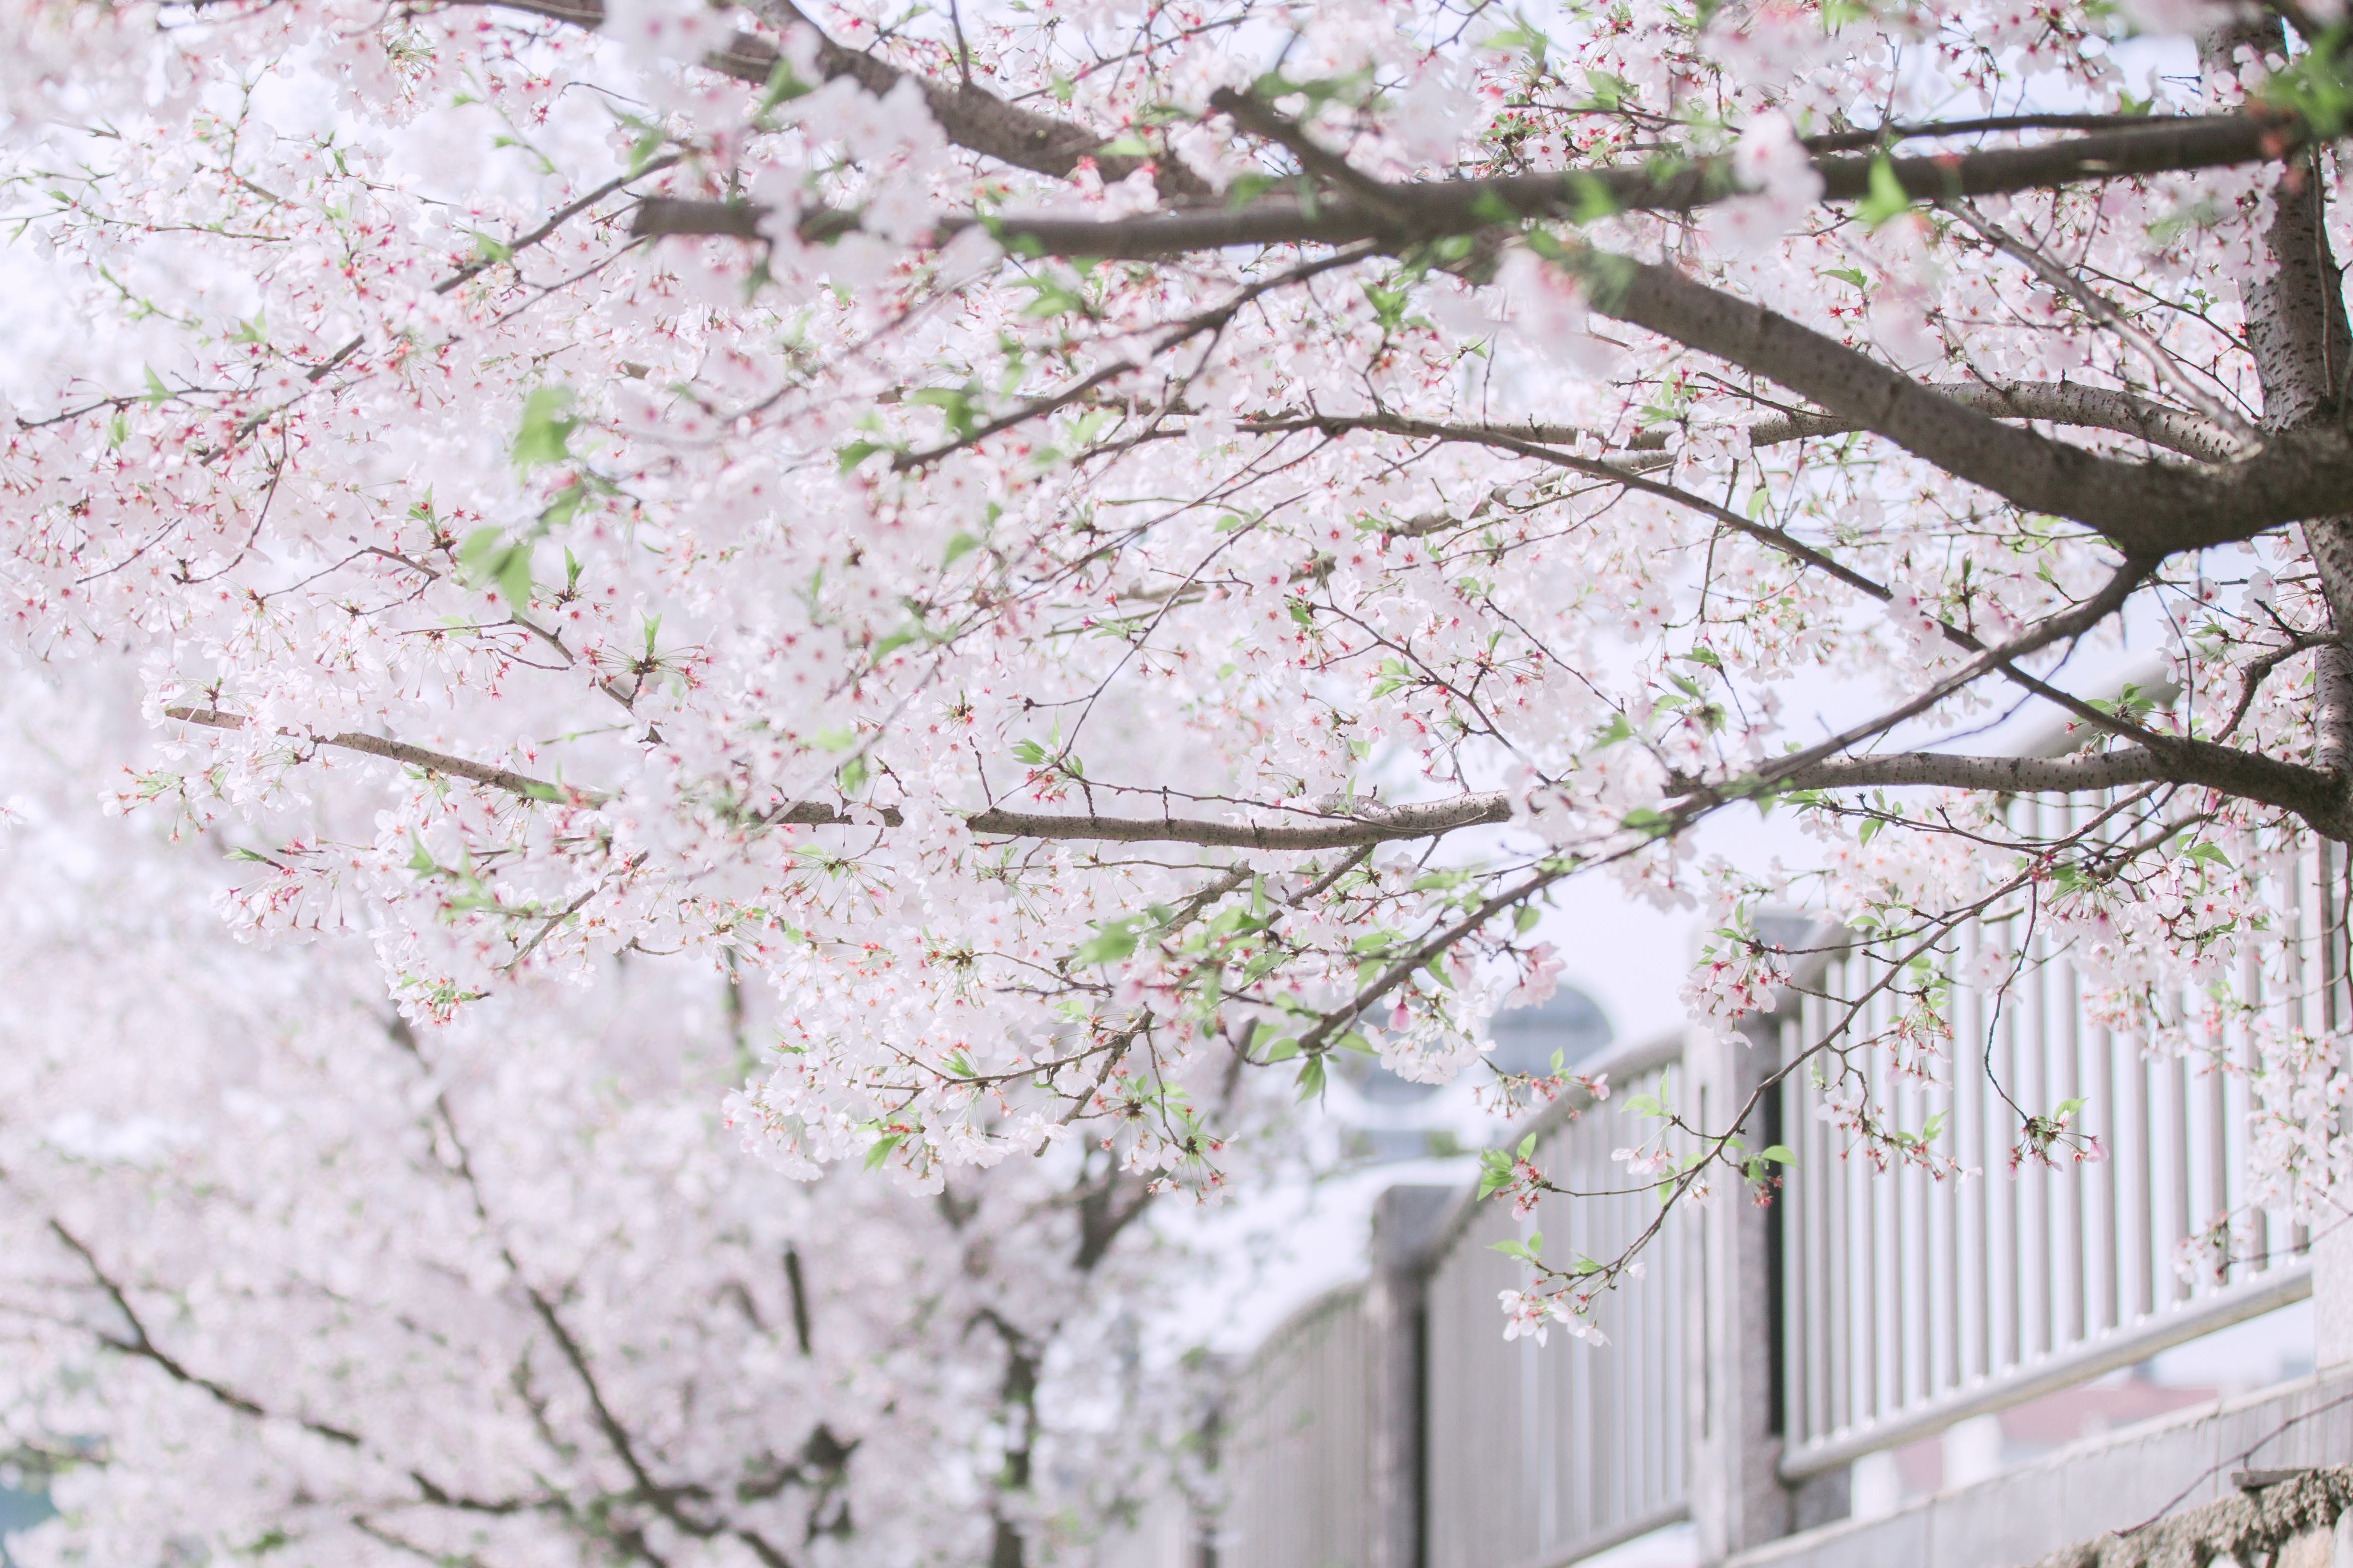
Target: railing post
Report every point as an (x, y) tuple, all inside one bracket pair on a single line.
[(1406, 1224), (1737, 1497)]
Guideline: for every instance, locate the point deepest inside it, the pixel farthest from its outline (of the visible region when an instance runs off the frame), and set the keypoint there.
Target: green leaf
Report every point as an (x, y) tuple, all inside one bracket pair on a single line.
[(1593, 201), (834, 738), (1494, 1171), (1311, 1077), (546, 433), (783, 86), (156, 391), (1650, 824), (1610, 734), (881, 1149), (956, 405), (1525, 920), (1778, 1153), (1531, 1250), (1246, 188), (489, 557), (1887, 199), (1113, 941), (1490, 209), (1127, 144)]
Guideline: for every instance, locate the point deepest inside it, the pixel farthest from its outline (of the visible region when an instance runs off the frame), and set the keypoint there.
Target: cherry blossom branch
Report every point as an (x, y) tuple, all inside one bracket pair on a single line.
[(1928, 131), (1256, 115), (2052, 402), (980, 122), (141, 1345), (2104, 311), (1214, 320), (2316, 794), (483, 774), (971, 117), (2149, 509), (666, 1500), (1370, 823), (1416, 211)]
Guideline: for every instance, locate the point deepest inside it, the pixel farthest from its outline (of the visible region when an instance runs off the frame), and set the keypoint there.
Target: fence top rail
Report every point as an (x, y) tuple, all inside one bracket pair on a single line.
[(1629, 1060), (1301, 1317)]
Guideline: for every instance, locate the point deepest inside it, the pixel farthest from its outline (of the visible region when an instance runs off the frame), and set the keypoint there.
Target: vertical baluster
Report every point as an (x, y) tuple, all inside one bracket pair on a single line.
[(1838, 1351), (2030, 1086), (1944, 1230), (1816, 1196), (2265, 1233), (2071, 1262), (2173, 1175), (2002, 1202), (2103, 1246), (1918, 1311), (1873, 1232), (1887, 1271), (1968, 1134), (2214, 1100)]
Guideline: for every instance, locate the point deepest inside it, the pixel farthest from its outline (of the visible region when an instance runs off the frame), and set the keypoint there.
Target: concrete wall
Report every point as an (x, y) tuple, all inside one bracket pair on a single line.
[(2101, 1484)]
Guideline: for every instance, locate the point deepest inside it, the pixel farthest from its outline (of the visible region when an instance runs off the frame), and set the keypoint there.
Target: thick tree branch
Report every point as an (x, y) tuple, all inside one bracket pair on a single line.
[(2313, 793), (2055, 403), (1407, 214), (2316, 794), (2148, 510)]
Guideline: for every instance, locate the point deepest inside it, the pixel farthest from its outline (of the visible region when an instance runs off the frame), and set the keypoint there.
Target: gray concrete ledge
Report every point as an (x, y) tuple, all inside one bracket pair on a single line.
[(2109, 1482)]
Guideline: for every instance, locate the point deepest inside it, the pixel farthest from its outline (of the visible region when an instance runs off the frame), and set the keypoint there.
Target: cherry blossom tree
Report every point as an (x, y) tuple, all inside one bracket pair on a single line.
[(1091, 549), (286, 1276)]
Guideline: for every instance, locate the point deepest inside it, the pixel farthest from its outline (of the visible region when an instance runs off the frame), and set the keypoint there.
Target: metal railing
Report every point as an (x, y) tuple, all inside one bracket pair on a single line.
[(1888, 1306), (1912, 1302), (1536, 1455), (1297, 1448)]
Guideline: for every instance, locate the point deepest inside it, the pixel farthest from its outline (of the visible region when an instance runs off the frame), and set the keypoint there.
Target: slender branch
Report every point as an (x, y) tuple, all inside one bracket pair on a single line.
[(1889, 135), (2104, 311), (1370, 823), (971, 117), (483, 774), (1256, 115), (140, 1343)]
